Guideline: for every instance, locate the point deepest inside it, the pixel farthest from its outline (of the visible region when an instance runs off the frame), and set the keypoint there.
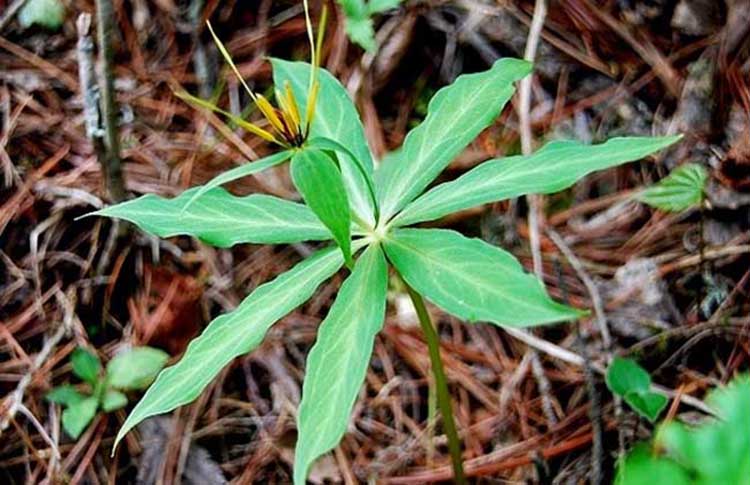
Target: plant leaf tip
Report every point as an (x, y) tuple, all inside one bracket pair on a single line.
[(98, 212)]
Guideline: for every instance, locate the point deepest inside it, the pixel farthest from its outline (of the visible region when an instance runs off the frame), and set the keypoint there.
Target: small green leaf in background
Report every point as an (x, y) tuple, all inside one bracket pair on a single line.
[(680, 190), (75, 418), (643, 466), (46, 13), (715, 452), (319, 181), (625, 375), (630, 381), (378, 6), (359, 25), (86, 365), (648, 404), (135, 368), (113, 400), (65, 395)]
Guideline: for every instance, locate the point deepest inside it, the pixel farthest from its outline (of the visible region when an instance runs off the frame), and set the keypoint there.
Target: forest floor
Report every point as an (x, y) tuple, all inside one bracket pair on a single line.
[(673, 290)]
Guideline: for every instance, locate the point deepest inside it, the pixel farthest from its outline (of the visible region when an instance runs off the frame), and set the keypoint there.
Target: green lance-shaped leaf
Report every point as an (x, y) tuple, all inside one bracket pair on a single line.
[(472, 279), (222, 219), (455, 116), (556, 166), (77, 417), (680, 190), (135, 368), (327, 144), (337, 363), (237, 173), (231, 335), (318, 179), (336, 118)]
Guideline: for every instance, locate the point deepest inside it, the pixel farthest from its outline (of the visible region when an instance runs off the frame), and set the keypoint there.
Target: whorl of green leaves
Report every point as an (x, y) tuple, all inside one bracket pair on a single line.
[(356, 207)]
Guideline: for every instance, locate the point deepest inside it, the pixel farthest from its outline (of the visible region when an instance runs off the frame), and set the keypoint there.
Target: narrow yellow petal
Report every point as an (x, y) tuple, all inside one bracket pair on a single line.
[(246, 125), (269, 112), (259, 131), (290, 124), (229, 61), (291, 103)]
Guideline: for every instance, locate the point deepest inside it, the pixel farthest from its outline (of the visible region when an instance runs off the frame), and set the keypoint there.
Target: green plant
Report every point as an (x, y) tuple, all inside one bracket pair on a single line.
[(359, 19), (366, 213), (631, 382), (49, 14), (131, 370), (680, 190), (716, 451)]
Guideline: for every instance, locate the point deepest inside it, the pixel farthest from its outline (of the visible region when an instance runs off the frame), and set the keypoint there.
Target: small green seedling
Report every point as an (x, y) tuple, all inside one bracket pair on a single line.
[(680, 190), (631, 382), (367, 214), (131, 370), (359, 14), (49, 14), (714, 452)]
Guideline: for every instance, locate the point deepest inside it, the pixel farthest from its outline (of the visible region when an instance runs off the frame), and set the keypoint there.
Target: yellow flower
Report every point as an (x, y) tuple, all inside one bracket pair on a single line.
[(287, 128)]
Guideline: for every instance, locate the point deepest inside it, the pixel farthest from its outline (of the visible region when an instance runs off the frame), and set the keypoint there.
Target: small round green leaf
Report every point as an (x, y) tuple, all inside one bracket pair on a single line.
[(647, 404), (75, 418), (625, 376), (678, 191), (46, 13), (113, 400), (86, 365), (65, 395), (135, 368)]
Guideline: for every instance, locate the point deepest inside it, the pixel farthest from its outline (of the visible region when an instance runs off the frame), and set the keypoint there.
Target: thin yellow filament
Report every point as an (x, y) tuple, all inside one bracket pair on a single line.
[(229, 61)]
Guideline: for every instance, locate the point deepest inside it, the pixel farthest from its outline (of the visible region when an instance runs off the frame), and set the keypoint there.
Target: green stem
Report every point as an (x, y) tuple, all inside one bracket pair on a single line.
[(441, 384)]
